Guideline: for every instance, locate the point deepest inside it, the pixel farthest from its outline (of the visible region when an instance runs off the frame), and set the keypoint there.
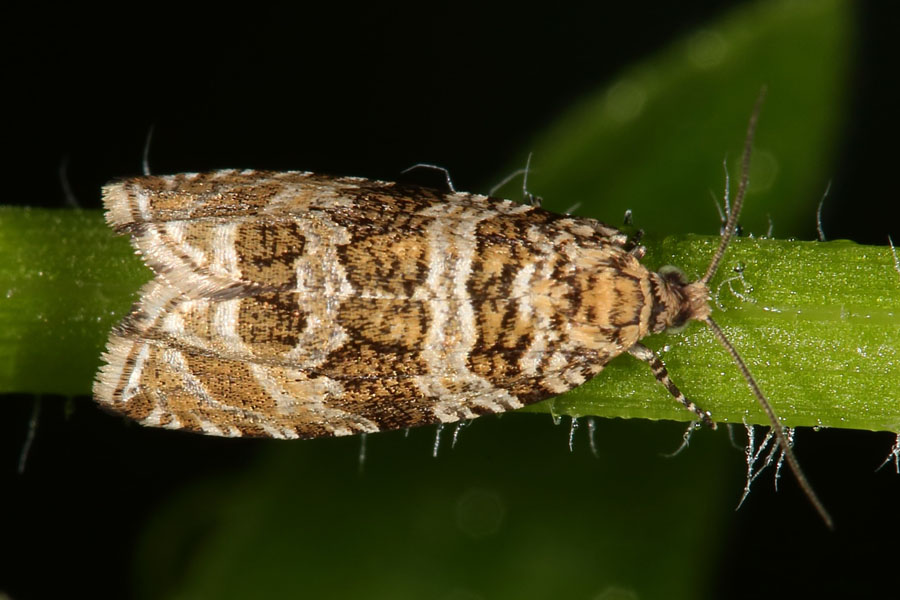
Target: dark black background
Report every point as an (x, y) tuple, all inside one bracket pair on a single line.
[(367, 90), (370, 90)]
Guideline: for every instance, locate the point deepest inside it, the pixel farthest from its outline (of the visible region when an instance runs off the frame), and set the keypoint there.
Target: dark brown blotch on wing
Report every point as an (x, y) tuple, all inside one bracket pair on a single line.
[(384, 338), (394, 198), (503, 249), (504, 335), (390, 402), (267, 252), (271, 322), (386, 258)]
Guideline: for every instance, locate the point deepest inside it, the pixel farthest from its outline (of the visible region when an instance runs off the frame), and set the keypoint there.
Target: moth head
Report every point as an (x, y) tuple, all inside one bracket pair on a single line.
[(680, 300)]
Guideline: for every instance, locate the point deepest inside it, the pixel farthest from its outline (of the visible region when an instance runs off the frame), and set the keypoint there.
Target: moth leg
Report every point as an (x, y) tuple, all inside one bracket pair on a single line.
[(642, 352), (433, 168), (633, 243), (529, 198)]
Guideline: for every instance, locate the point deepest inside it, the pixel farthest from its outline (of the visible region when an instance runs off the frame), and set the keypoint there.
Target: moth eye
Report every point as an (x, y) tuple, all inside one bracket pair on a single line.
[(679, 325), (673, 275)]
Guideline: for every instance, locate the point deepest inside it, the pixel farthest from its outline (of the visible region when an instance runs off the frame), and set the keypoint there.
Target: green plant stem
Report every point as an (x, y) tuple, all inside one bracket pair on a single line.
[(65, 280), (818, 324)]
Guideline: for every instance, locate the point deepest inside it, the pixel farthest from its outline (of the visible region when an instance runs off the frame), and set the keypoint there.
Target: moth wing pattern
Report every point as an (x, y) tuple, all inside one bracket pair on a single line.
[(298, 305)]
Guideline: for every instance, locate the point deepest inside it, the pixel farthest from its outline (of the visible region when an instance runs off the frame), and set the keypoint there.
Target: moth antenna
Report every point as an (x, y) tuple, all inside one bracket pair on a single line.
[(775, 423), (735, 212), (727, 234)]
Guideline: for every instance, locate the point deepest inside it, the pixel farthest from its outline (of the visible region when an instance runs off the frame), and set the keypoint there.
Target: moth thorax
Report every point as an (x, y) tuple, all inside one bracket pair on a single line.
[(676, 301)]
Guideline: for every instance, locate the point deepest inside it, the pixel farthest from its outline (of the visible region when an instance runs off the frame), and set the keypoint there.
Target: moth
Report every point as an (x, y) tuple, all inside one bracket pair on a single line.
[(296, 305)]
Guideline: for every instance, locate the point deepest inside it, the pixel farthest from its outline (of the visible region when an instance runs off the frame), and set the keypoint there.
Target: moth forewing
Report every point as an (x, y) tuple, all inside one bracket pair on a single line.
[(298, 305)]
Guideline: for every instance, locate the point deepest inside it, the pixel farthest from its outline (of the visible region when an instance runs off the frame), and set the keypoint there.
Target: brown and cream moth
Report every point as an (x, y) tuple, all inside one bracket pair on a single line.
[(296, 305)]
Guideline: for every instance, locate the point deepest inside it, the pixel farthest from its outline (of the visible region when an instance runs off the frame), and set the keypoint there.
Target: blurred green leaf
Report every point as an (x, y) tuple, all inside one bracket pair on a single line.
[(654, 140)]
